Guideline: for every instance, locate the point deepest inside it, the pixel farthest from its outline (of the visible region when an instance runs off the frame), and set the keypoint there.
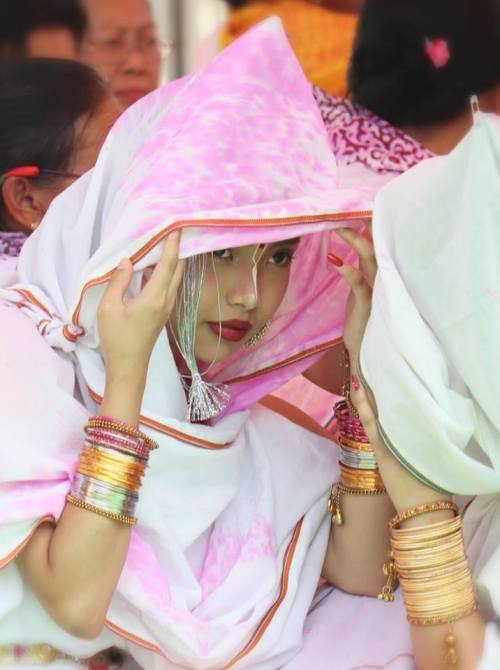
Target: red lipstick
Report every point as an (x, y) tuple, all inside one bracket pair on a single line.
[(232, 331)]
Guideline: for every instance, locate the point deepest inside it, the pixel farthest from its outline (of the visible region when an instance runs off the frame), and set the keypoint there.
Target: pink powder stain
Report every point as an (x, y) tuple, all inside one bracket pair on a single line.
[(227, 547), (141, 564), (223, 553), (259, 541)]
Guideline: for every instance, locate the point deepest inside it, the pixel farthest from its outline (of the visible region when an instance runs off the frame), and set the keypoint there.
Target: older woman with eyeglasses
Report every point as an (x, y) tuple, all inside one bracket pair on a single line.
[(54, 117), (121, 43)]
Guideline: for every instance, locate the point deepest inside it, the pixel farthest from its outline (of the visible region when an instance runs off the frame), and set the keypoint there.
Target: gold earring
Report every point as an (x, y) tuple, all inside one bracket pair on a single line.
[(258, 335), (34, 225)]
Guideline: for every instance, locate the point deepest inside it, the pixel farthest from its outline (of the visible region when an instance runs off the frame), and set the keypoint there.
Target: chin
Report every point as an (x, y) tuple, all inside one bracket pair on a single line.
[(211, 353)]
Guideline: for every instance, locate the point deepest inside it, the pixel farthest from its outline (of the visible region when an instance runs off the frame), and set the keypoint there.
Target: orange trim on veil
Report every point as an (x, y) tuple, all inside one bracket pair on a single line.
[(321, 38)]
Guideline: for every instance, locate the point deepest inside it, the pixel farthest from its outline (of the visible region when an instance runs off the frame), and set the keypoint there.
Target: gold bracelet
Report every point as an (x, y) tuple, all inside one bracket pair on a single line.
[(435, 578), (360, 479), (422, 509), (334, 506), (122, 518), (116, 469), (353, 444)]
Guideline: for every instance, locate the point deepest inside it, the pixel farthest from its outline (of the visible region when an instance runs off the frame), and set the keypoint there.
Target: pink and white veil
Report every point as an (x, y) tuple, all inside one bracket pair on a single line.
[(225, 559)]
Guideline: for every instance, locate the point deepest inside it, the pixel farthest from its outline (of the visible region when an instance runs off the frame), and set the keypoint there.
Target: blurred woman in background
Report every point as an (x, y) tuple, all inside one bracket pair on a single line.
[(122, 44), (54, 117)]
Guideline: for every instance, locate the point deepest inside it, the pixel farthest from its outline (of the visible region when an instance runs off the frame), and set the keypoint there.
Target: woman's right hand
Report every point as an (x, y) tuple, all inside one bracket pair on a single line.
[(128, 330)]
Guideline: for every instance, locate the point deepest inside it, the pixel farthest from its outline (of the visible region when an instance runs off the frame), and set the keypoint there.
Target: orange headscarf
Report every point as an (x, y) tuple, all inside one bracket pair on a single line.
[(321, 38)]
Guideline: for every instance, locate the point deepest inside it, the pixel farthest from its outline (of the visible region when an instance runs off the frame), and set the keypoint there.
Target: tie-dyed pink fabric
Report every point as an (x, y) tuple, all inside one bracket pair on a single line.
[(226, 556)]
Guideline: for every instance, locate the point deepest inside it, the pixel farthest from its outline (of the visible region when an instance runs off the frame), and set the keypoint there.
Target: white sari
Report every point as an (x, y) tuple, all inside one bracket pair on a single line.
[(431, 353)]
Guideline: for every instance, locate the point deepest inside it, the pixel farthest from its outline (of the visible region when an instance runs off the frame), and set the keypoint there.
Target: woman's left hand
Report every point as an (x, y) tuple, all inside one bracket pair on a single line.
[(361, 281), (404, 490)]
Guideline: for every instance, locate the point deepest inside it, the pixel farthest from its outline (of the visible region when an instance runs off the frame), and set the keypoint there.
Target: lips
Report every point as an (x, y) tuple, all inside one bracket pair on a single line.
[(130, 95), (232, 331)]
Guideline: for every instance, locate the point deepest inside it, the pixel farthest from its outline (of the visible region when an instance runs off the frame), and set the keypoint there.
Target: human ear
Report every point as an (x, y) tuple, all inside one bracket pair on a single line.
[(23, 203)]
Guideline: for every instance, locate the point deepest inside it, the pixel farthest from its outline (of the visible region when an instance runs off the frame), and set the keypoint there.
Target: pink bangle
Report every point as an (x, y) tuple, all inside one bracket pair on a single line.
[(117, 445), (120, 427), (347, 425)]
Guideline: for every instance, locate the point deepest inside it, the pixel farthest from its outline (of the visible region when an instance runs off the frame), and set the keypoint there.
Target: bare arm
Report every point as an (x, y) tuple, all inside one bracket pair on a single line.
[(358, 549), (404, 490), (407, 492), (351, 565), (74, 566)]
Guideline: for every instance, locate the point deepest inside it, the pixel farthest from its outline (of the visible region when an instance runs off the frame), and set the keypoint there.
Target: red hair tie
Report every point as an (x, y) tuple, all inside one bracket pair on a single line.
[(21, 171)]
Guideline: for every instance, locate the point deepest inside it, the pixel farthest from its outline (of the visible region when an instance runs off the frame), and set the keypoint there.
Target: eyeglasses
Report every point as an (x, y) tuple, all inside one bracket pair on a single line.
[(115, 50), (35, 171)]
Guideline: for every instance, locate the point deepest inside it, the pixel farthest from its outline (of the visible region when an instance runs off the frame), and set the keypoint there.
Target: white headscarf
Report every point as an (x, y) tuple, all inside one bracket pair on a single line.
[(226, 556), (431, 353)]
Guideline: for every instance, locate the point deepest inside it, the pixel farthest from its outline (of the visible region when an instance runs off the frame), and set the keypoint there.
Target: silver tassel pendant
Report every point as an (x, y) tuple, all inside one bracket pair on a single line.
[(205, 400)]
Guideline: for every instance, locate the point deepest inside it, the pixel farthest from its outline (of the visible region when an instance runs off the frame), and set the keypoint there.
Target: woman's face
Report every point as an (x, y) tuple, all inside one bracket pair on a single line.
[(90, 133), (242, 289), (26, 213), (122, 45)]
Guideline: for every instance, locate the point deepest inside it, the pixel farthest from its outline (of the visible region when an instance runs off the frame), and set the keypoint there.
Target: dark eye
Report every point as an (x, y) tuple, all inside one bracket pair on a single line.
[(281, 258), (150, 43), (113, 43), (222, 253)]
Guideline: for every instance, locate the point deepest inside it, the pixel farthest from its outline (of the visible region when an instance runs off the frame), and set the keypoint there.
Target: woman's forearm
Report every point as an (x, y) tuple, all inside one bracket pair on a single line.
[(429, 642), (73, 567), (357, 550)]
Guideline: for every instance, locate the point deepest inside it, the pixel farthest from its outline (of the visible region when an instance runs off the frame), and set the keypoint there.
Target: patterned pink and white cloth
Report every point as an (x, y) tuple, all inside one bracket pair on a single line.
[(225, 560), (11, 244), (359, 136)]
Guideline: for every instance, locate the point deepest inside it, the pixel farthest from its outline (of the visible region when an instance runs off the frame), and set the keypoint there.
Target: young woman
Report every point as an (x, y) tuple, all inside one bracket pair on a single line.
[(232, 530), (436, 309)]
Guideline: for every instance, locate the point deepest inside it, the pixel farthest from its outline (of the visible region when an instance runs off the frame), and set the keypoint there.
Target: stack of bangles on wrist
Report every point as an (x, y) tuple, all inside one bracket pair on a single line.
[(109, 474), (431, 565), (359, 473)]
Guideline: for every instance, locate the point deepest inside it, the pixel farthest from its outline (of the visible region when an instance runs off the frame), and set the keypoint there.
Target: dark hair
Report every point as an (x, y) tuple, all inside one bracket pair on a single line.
[(391, 73), (40, 101), (234, 4), (18, 18)]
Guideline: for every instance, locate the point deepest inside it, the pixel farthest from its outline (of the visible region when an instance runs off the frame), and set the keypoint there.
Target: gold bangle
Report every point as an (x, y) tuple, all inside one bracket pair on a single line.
[(353, 444), (334, 501), (422, 509), (433, 572), (122, 518), (360, 479), (438, 620), (117, 469)]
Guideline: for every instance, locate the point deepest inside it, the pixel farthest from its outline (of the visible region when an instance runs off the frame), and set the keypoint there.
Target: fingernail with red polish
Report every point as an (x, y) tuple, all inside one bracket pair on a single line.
[(355, 383), (335, 260)]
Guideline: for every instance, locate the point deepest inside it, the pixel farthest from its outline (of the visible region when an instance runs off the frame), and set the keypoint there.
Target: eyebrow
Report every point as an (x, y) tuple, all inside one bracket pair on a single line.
[(124, 29), (291, 241)]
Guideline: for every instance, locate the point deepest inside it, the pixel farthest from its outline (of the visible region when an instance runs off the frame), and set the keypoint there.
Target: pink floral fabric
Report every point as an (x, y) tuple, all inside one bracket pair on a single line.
[(360, 136)]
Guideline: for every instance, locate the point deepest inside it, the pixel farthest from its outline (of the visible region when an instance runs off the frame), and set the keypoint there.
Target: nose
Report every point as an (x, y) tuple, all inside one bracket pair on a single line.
[(243, 292), (134, 61)]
